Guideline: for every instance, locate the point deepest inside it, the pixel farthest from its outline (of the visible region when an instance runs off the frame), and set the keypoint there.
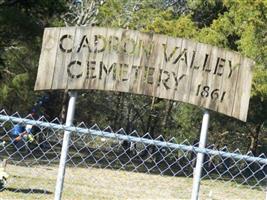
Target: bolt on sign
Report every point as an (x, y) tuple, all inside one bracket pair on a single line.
[(76, 58)]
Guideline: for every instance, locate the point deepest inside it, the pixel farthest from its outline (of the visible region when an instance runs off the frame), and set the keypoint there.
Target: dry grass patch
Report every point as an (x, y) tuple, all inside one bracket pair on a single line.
[(92, 183)]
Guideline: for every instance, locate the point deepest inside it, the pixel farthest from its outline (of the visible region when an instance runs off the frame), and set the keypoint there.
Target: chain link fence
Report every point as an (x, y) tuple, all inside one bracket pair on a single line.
[(103, 164)]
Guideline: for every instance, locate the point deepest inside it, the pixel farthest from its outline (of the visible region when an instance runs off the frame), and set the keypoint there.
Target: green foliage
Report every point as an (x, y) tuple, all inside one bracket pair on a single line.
[(20, 79), (21, 29), (218, 34), (205, 11), (4, 91), (236, 25), (109, 12), (129, 14), (250, 21), (188, 124), (181, 27), (239, 25), (259, 86)]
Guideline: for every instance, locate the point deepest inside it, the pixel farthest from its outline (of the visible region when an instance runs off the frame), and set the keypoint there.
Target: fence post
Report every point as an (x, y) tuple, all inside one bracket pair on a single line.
[(200, 156), (65, 146)]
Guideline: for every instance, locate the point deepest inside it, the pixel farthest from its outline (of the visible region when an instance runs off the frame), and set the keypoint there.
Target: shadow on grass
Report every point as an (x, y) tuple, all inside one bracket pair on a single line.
[(27, 191)]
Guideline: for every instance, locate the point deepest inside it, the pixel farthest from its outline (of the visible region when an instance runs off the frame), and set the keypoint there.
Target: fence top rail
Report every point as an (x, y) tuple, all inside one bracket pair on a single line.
[(95, 131)]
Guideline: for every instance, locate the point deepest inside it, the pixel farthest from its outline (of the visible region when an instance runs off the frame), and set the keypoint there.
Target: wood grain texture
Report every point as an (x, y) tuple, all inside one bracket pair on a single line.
[(159, 65), (242, 93), (200, 76), (185, 71), (78, 58), (63, 58), (79, 68), (47, 59), (229, 82)]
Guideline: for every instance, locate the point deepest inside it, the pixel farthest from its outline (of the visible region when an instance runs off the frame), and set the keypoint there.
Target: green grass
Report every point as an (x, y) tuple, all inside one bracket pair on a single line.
[(92, 183)]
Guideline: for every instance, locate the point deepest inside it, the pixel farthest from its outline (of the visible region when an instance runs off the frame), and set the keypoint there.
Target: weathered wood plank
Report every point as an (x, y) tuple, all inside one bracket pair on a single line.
[(124, 60), (110, 56), (229, 83), (185, 70), (241, 103), (160, 64), (201, 69), (214, 82), (172, 55), (78, 72), (47, 59), (145, 62), (99, 44), (149, 64), (63, 58), (143, 57)]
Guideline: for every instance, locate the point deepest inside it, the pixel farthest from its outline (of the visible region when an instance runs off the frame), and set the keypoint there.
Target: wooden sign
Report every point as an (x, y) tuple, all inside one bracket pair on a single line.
[(121, 60)]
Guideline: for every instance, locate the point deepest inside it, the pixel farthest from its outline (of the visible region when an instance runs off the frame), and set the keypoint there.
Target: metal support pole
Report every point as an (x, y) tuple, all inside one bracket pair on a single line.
[(65, 146), (200, 156)]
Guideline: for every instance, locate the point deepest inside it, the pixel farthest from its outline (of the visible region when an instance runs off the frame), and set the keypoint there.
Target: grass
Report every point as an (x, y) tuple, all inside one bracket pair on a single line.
[(93, 183)]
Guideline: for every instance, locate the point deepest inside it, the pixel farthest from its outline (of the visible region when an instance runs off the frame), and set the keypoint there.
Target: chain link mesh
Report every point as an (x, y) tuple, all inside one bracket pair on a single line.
[(104, 164)]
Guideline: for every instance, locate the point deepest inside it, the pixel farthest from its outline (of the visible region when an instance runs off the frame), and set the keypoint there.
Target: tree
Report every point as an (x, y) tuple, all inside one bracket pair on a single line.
[(243, 27), (239, 25), (21, 27)]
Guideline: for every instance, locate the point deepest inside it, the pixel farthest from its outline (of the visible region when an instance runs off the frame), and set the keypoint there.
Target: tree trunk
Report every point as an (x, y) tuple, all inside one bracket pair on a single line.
[(254, 139), (64, 106), (129, 125), (152, 119), (117, 114), (167, 113)]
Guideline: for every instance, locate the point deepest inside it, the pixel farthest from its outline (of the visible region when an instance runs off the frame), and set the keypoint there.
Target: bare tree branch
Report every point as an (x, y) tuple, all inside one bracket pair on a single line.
[(82, 12)]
